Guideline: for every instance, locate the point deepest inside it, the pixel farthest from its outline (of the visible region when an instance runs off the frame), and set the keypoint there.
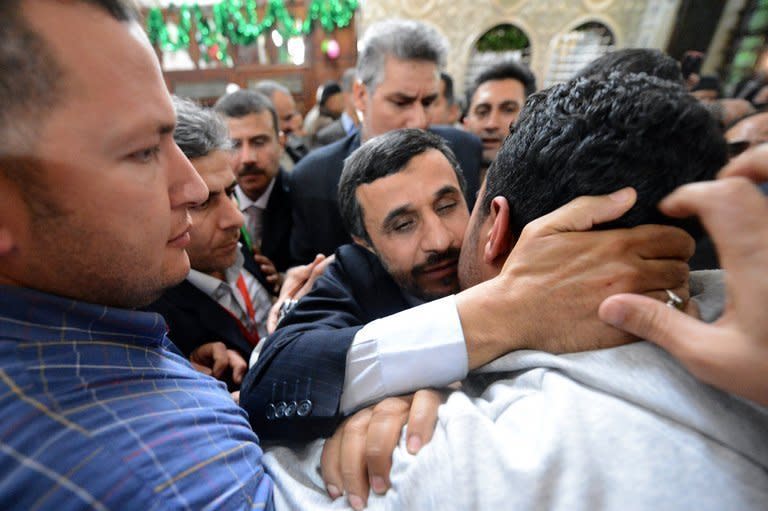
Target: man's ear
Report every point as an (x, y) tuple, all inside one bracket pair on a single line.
[(363, 243), (499, 241), (11, 206), (454, 112), (359, 95), (281, 138), (6, 240)]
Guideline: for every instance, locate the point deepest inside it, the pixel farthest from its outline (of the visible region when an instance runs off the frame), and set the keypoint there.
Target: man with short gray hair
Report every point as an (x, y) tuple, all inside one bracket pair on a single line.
[(397, 84), (217, 315)]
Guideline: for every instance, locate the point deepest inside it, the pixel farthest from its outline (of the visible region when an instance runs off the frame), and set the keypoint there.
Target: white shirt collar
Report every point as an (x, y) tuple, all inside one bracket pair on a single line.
[(244, 202), (209, 284)]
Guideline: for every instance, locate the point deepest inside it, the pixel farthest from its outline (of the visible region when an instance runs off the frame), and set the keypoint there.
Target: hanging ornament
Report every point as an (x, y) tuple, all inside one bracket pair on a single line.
[(332, 49), (213, 52), (235, 22)]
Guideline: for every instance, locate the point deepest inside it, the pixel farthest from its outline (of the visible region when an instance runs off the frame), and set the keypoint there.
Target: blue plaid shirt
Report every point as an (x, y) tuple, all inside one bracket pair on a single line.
[(98, 410)]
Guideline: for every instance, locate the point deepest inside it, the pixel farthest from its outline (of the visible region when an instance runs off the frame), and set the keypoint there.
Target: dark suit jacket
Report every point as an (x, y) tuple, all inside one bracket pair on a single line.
[(329, 134), (317, 226), (305, 359), (194, 318), (277, 224)]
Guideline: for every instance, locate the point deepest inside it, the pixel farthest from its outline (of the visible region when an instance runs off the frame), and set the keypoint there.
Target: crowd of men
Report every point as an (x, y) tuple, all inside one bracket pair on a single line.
[(414, 308)]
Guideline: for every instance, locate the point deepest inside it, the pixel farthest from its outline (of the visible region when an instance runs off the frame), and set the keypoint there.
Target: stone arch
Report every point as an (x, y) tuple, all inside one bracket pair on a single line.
[(583, 41), (475, 60)]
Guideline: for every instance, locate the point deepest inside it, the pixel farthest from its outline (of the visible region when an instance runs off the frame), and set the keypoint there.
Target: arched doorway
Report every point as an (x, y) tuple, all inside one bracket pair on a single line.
[(574, 49), (500, 42)]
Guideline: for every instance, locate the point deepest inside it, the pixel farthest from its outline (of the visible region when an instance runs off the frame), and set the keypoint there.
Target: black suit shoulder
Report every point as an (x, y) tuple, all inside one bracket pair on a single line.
[(331, 133), (317, 225), (278, 224), (308, 352), (194, 318)]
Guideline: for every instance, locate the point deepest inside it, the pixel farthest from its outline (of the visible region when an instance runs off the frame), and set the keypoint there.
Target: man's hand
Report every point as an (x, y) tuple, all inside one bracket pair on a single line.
[(270, 272), (732, 353), (214, 359), (549, 289), (360, 451), (298, 282)]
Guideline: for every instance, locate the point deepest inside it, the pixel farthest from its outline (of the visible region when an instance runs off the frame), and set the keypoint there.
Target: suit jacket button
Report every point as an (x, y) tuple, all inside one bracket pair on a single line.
[(270, 412), (290, 408), (280, 410), (305, 408)]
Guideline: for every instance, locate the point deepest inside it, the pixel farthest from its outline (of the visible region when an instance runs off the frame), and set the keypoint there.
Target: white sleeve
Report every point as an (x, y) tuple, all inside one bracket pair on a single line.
[(414, 349)]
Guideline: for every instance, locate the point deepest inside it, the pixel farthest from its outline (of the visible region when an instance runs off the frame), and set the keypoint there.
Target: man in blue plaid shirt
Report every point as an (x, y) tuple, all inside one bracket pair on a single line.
[(97, 408)]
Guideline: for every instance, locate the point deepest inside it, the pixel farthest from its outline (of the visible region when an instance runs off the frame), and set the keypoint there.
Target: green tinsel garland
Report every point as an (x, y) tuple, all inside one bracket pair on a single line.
[(236, 22)]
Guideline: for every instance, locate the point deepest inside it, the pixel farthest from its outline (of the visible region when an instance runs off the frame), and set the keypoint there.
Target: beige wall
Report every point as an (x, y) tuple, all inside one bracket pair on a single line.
[(634, 23)]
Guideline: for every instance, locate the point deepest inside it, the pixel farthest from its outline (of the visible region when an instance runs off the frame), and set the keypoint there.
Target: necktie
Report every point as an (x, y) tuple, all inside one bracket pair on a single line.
[(254, 215), (250, 322)]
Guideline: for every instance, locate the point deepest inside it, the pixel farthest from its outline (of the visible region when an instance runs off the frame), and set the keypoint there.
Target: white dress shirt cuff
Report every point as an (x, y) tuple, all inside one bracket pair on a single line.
[(414, 349)]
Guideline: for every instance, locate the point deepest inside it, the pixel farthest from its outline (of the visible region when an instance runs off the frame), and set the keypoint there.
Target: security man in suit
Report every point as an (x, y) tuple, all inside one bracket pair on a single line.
[(262, 186), (225, 298)]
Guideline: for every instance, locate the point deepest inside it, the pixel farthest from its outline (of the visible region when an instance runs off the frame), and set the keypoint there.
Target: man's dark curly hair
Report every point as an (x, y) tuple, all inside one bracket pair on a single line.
[(592, 137), (650, 61)]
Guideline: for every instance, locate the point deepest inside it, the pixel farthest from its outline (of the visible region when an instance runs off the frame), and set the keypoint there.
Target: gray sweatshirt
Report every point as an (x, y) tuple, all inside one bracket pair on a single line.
[(623, 428)]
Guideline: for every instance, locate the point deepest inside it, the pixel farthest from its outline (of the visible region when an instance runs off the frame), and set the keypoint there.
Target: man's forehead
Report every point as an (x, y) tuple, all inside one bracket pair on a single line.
[(426, 177), (251, 125), (283, 102), (499, 90), (108, 65), (216, 169), (396, 78)]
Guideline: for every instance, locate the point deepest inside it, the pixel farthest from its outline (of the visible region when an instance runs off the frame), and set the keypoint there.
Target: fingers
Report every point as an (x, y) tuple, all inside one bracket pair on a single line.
[(354, 473), (661, 296), (212, 356), (422, 419), (266, 266), (660, 242), (656, 322), (296, 277), (359, 453), (733, 211), (237, 365), (657, 274), (200, 368), (384, 430), (317, 271), (274, 313), (330, 464), (752, 164), (583, 213), (342, 463), (220, 359)]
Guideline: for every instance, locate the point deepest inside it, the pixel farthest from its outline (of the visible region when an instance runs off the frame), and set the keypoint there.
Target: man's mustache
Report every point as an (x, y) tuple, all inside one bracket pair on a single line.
[(451, 255), (250, 169)]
